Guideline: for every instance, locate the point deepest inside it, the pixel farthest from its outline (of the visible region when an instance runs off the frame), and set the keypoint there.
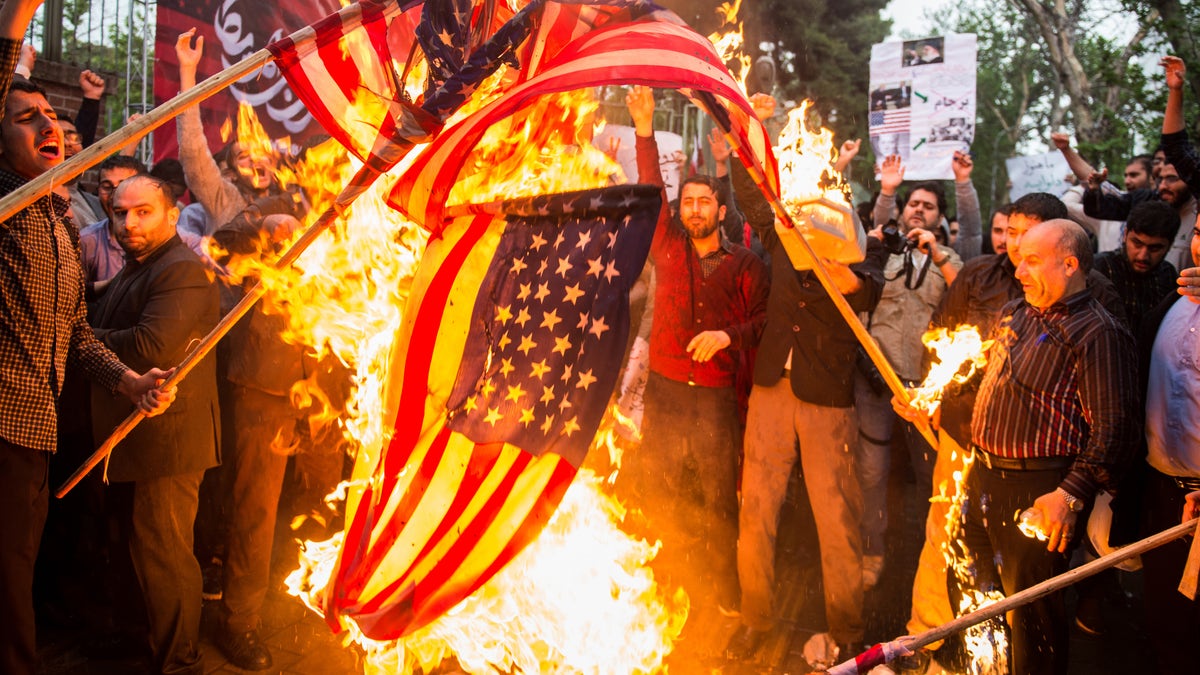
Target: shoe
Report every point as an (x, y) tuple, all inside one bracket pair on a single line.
[(1089, 617), (245, 650), (872, 568), (821, 652), (744, 643), (212, 575)]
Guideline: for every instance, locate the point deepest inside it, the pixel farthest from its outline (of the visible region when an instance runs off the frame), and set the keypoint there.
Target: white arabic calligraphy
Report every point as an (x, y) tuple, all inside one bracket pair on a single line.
[(277, 99)]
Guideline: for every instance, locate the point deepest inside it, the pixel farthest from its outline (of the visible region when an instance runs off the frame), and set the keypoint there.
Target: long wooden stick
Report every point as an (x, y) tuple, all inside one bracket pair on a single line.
[(1032, 593), (839, 300), (131, 133), (206, 345)]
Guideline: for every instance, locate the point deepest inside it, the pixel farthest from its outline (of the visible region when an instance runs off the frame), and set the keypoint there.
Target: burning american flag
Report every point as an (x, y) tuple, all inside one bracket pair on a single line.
[(509, 345)]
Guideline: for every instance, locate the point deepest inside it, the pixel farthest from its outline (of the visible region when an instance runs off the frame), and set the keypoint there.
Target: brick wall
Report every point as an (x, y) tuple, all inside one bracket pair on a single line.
[(61, 83)]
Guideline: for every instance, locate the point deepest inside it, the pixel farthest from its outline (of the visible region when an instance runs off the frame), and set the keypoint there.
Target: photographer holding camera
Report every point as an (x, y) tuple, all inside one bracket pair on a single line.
[(917, 273)]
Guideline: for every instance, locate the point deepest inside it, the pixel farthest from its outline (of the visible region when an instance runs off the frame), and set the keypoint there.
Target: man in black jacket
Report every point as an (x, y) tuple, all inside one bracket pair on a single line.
[(803, 391), (156, 307)]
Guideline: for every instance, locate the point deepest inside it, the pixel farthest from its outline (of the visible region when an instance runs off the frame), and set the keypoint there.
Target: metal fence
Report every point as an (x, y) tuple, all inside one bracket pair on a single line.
[(112, 37)]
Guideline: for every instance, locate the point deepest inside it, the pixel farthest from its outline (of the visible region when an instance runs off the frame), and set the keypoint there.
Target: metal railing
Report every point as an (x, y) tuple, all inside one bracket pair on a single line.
[(111, 37)]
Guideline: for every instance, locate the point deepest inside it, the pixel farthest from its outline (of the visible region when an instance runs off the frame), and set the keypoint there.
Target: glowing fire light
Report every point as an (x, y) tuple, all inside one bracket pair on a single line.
[(729, 41), (813, 193), (581, 598), (960, 353)]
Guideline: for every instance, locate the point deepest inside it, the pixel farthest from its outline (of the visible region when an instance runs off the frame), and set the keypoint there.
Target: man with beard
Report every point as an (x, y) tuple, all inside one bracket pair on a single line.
[(709, 309), (1138, 269), (1170, 188), (158, 305), (43, 329), (917, 273)]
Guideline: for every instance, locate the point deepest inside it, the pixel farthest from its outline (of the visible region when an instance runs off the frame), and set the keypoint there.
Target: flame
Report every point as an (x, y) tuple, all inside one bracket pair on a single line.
[(729, 42), (582, 597), (544, 148), (960, 353), (806, 176)]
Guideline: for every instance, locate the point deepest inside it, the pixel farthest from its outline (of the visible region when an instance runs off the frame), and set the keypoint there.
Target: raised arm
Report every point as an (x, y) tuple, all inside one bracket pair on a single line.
[(891, 174), (1078, 164), (218, 196), (970, 219), (15, 16)]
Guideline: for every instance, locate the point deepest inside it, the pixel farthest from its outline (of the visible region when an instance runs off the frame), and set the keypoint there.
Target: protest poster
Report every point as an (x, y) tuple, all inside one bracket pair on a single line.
[(1044, 172), (671, 159), (922, 102)]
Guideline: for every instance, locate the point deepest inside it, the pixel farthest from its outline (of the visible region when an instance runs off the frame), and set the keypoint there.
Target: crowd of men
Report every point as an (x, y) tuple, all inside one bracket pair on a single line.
[(97, 288), (751, 369), (1070, 289)]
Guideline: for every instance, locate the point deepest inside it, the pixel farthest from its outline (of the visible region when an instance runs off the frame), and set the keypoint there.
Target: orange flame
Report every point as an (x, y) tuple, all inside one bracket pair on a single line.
[(729, 41), (814, 194), (960, 353), (581, 598), (544, 148)]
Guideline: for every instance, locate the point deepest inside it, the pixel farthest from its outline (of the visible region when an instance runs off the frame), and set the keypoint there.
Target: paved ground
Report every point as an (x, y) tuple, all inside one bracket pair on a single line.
[(302, 644)]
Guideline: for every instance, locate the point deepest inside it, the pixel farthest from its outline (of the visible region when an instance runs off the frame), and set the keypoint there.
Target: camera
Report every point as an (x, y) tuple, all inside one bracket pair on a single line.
[(894, 240)]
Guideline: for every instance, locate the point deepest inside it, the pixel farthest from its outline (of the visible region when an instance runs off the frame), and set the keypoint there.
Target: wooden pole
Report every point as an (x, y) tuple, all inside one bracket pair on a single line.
[(839, 300), (356, 187), (131, 133), (1032, 593)]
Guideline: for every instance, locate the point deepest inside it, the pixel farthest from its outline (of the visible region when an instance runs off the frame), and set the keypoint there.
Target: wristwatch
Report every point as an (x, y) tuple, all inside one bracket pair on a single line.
[(1075, 504)]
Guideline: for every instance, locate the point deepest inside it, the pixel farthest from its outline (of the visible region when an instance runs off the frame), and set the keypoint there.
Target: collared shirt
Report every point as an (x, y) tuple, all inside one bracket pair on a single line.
[(1140, 292), (1173, 394), (903, 313), (45, 321), (1061, 382), (103, 257), (733, 298)]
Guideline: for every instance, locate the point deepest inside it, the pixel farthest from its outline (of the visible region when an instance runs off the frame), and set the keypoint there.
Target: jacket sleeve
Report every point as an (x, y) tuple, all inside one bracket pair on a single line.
[(755, 287), (168, 318), (220, 198), (970, 221)]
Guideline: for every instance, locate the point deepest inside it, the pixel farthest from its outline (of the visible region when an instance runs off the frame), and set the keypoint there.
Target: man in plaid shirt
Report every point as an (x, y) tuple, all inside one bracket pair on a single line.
[(43, 329)]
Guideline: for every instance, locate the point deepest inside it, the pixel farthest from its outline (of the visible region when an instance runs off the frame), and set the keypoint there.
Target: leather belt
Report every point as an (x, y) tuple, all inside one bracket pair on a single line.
[(1186, 482), (997, 463)]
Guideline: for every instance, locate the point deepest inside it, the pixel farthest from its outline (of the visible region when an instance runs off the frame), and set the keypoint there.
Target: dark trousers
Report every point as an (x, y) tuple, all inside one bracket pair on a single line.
[(1006, 559), (24, 492), (687, 469), (263, 430), (156, 516), (1172, 621)]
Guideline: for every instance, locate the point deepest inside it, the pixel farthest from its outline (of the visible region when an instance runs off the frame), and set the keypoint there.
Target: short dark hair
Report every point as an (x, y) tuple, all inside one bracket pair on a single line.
[(708, 181), (1040, 205), (1073, 240), (170, 170), (1147, 162), (929, 186), (27, 86), (1153, 218), (1002, 210), (122, 162), (164, 188)]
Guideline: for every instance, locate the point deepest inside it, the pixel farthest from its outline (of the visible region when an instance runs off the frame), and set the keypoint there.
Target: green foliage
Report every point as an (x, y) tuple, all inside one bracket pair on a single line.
[(1021, 99), (96, 36)]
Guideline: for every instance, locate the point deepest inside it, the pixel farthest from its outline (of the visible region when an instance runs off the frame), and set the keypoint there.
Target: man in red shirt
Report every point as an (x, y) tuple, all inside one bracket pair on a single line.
[(710, 301)]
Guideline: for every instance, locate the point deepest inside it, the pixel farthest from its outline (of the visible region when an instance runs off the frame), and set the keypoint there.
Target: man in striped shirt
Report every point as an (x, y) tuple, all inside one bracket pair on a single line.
[(1056, 421)]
